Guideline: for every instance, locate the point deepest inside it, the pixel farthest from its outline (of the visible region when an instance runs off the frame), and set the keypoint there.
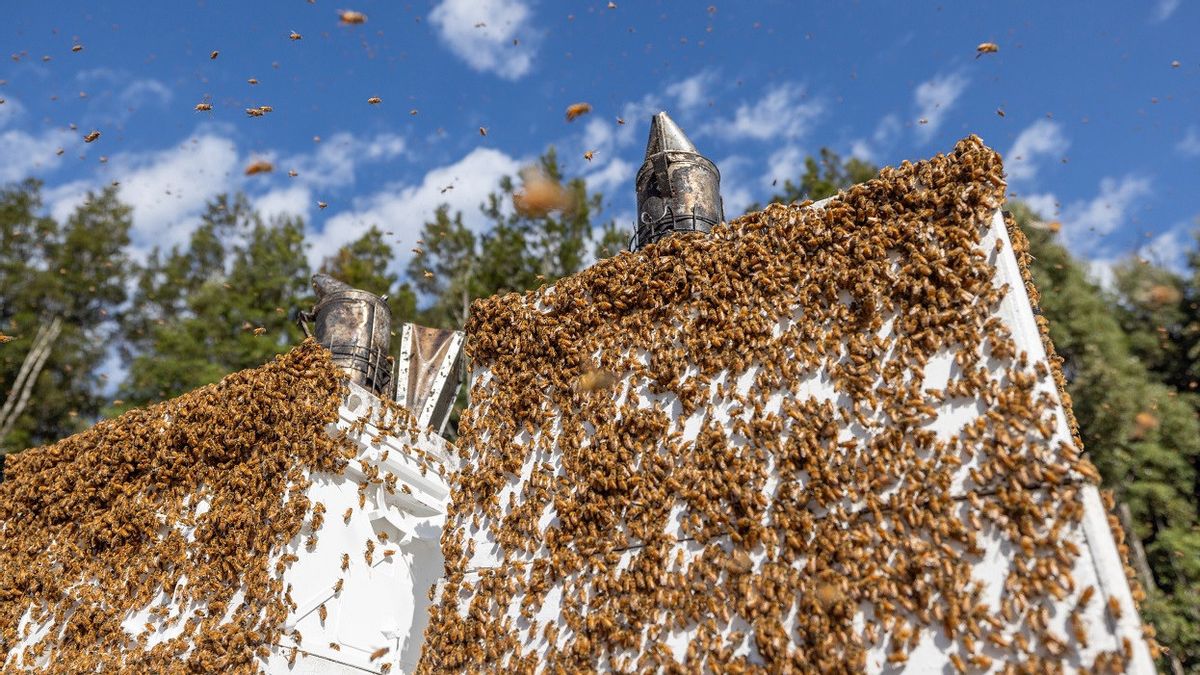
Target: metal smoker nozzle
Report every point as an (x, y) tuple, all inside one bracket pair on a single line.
[(678, 189)]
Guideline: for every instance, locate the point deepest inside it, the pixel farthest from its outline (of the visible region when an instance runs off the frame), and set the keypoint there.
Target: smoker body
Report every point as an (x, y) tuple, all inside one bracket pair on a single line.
[(356, 327)]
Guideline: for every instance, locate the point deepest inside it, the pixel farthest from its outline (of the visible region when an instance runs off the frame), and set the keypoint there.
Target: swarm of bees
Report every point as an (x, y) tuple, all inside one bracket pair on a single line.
[(758, 536), (89, 533)]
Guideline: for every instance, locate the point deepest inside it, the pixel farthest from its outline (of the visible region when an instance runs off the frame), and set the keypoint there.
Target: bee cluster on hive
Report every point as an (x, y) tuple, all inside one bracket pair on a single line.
[(785, 447), (189, 513)]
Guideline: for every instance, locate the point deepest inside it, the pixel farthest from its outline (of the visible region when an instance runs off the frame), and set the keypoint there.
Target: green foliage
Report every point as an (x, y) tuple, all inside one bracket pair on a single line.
[(517, 252), (1142, 433), (74, 271), (219, 305), (824, 176)]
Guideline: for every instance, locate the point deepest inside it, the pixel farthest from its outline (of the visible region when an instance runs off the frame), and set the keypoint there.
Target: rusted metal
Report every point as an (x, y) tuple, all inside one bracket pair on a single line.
[(429, 372), (678, 189), (356, 327)]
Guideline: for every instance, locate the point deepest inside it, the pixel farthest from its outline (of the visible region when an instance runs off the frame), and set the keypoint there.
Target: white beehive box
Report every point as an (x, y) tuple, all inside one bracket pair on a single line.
[(379, 605), (384, 604), (491, 565)]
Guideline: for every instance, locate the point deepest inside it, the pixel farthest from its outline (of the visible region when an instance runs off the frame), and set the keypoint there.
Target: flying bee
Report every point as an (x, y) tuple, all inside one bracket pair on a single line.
[(374, 100), (91, 136), (351, 17), (294, 36), (259, 166), (575, 110)]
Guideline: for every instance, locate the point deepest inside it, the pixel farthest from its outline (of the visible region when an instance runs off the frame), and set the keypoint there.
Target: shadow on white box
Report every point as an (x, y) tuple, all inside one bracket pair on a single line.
[(383, 603)]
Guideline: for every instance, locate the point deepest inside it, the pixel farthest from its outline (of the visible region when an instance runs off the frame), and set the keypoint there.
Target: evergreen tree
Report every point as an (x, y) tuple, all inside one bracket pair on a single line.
[(823, 177), (1142, 434), (70, 275), (518, 251), (221, 304)]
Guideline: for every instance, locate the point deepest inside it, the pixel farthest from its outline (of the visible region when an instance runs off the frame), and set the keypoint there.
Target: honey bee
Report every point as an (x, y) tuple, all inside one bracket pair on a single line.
[(986, 48), (203, 107), (214, 55), (77, 48), (379, 653), (92, 135), (589, 155), (254, 112), (483, 131), (252, 81), (575, 110), (294, 36), (321, 205), (259, 166), (348, 16), (374, 100)]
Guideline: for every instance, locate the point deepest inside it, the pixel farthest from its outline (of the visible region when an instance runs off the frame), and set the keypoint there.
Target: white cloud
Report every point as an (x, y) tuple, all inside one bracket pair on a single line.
[(1044, 204), (934, 98), (168, 189), (1164, 9), (693, 91), (1041, 139), (403, 209), (784, 164), (884, 136), (481, 32), (615, 176), (1086, 223), (26, 154), (783, 112), (142, 91), (1170, 248), (293, 200), (10, 111), (735, 185), (1188, 146), (335, 159)]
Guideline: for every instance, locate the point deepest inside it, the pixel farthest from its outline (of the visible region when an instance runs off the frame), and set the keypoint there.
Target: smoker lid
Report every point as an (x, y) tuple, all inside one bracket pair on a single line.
[(666, 136)]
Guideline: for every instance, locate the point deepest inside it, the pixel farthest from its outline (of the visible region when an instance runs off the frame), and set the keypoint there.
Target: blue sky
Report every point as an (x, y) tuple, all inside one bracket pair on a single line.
[(1100, 130)]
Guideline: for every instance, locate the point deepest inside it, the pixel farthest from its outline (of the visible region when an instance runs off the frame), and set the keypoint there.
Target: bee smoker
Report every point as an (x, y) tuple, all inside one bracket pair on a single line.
[(678, 189), (356, 327)]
